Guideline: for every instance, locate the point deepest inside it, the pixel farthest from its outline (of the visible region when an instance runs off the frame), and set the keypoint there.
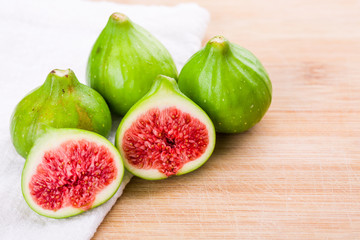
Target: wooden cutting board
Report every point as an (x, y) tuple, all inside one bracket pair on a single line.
[(295, 175)]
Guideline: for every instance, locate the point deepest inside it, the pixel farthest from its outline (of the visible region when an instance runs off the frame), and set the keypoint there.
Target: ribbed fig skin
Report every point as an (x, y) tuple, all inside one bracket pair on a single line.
[(124, 62), (229, 83), (61, 102)]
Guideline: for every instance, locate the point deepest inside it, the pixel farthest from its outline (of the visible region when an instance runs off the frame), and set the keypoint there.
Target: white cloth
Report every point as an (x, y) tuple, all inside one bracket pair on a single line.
[(40, 35)]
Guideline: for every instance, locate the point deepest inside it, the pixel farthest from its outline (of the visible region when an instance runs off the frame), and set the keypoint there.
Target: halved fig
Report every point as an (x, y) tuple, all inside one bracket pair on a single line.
[(165, 133), (69, 171)]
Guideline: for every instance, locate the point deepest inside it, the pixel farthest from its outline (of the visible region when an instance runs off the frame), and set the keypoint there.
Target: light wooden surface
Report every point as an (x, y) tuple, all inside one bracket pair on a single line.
[(296, 175)]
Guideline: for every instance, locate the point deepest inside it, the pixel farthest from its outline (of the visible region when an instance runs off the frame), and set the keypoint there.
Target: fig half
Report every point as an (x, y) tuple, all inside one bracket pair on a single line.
[(69, 171), (229, 83), (124, 62), (165, 133)]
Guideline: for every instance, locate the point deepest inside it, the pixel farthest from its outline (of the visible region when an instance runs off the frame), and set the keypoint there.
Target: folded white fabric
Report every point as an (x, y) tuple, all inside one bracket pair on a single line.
[(40, 35)]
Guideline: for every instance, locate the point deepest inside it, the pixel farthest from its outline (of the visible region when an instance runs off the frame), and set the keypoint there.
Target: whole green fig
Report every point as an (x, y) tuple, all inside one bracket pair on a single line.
[(229, 83), (124, 62), (61, 102)]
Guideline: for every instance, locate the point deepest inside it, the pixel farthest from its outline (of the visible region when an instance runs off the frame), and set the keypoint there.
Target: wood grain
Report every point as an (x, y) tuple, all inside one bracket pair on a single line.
[(296, 175)]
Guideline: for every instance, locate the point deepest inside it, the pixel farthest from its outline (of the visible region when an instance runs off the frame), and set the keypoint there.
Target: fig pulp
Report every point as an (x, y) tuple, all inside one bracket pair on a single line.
[(69, 171), (124, 62), (61, 102), (229, 83), (165, 133)]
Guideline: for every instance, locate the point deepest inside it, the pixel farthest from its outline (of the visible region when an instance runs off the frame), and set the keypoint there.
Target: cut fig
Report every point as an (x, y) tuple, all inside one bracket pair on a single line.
[(69, 171), (61, 102), (124, 62), (165, 133)]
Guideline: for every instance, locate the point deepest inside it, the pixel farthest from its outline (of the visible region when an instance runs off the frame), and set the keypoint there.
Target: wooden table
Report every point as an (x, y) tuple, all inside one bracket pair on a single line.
[(295, 175)]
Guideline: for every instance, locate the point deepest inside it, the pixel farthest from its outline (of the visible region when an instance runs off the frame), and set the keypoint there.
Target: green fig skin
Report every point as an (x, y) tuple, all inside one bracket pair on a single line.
[(61, 102), (124, 62), (229, 83)]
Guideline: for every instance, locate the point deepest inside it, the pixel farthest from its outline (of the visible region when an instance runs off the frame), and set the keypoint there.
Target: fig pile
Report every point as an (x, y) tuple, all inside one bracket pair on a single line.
[(168, 125)]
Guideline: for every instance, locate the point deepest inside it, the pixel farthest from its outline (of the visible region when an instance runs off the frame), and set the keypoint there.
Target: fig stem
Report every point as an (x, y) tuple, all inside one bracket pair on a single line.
[(165, 83), (61, 81), (119, 19), (220, 43), (60, 72)]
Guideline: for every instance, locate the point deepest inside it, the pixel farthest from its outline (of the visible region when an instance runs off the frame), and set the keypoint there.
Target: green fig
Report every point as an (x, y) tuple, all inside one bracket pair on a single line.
[(165, 133), (229, 83), (61, 102), (124, 62)]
